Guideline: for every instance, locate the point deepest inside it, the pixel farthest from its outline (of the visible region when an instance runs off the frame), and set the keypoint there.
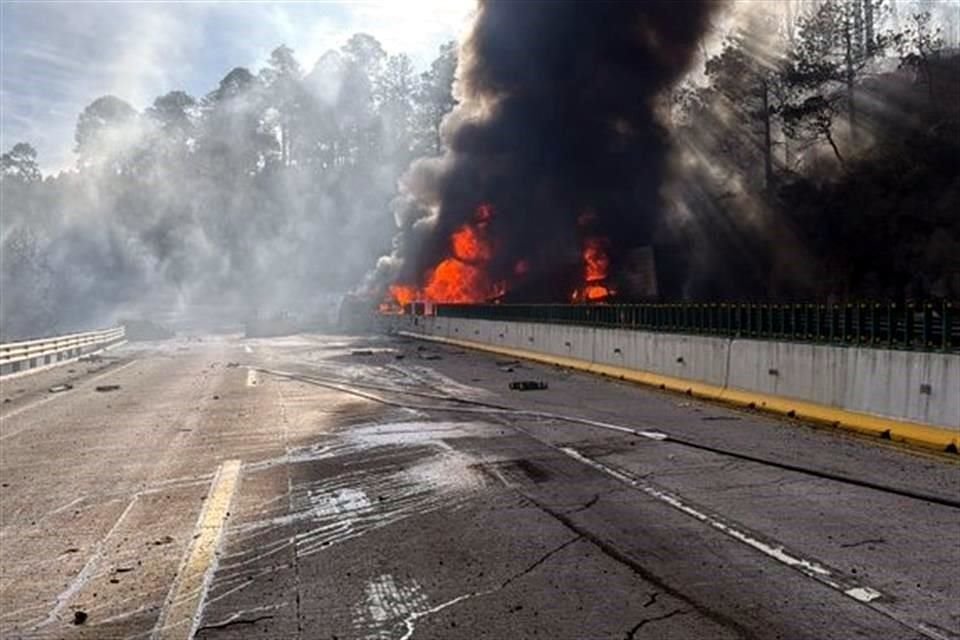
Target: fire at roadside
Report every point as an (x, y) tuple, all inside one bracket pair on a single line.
[(549, 188), (462, 276)]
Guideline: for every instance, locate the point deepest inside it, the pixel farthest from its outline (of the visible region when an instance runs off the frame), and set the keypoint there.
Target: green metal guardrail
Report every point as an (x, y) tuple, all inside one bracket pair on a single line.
[(928, 327)]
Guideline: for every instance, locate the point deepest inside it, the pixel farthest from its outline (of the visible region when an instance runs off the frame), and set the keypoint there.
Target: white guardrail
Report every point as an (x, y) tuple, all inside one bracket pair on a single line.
[(31, 354)]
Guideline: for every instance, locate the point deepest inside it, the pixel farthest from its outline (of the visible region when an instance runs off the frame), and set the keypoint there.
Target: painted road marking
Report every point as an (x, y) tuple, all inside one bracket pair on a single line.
[(88, 571), (810, 568), (252, 377), (184, 604), (50, 398)]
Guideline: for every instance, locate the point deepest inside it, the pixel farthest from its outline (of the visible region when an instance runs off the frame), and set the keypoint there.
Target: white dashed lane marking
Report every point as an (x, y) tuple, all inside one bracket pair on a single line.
[(810, 568)]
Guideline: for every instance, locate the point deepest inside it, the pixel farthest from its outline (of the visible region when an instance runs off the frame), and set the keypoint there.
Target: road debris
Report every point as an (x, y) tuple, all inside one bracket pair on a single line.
[(233, 365), (528, 385), (236, 622), (162, 541), (104, 388), (361, 352), (57, 388), (79, 617)]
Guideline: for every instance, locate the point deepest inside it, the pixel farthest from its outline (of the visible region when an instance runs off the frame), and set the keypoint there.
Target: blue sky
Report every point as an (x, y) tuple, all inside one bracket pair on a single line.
[(57, 57)]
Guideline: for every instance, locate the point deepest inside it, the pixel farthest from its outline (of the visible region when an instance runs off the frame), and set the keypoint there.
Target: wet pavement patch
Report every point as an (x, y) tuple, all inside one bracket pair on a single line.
[(512, 472)]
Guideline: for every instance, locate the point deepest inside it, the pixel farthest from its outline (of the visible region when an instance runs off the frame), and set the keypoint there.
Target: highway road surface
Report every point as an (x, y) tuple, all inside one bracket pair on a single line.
[(334, 487)]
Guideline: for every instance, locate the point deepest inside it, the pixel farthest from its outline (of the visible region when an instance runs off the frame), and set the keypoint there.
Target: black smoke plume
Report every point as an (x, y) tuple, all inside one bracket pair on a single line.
[(556, 129)]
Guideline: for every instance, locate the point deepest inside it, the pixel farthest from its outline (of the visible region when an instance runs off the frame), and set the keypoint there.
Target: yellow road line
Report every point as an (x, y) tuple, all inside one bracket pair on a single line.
[(184, 604), (936, 437)]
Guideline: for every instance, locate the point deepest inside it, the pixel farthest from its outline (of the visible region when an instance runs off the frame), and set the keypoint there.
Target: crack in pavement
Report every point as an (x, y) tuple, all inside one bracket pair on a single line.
[(632, 633), (235, 622), (610, 550), (851, 545), (542, 559), (411, 620), (592, 501)]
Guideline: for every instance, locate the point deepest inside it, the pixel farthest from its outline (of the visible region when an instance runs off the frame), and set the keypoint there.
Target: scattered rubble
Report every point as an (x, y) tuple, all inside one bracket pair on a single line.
[(79, 617), (57, 388), (104, 388), (162, 541), (528, 385)]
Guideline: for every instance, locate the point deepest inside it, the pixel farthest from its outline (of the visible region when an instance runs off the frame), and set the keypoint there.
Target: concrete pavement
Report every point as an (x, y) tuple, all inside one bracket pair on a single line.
[(417, 497)]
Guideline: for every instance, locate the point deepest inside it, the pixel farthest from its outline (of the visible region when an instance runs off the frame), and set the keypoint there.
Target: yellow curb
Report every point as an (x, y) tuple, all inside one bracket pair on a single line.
[(913, 433)]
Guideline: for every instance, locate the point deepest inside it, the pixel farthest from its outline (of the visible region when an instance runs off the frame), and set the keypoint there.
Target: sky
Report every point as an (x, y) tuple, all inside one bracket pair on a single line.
[(57, 57)]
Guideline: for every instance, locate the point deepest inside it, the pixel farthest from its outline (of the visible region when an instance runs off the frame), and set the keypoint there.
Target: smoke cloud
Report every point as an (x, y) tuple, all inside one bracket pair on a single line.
[(556, 131)]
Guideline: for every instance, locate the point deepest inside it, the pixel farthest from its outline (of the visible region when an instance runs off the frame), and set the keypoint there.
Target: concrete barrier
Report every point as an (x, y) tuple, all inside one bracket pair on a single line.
[(911, 396), (18, 358)]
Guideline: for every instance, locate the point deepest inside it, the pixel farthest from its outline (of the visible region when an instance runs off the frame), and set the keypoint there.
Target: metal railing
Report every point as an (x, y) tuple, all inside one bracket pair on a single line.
[(928, 327), (19, 356)]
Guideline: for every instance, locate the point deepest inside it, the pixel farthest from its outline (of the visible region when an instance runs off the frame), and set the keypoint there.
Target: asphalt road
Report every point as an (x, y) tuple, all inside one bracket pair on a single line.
[(345, 487)]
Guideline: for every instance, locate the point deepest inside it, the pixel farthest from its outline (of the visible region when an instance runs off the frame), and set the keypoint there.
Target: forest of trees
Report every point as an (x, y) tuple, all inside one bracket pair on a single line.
[(825, 150), (267, 192), (816, 158)]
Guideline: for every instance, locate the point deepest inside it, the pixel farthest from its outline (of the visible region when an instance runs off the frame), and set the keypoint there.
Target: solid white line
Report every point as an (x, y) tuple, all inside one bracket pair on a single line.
[(86, 572)]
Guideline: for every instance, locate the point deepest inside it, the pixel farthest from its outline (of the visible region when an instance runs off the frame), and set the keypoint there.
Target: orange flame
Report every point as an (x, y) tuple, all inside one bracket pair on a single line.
[(462, 277), (596, 264), (402, 294), (468, 246)]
